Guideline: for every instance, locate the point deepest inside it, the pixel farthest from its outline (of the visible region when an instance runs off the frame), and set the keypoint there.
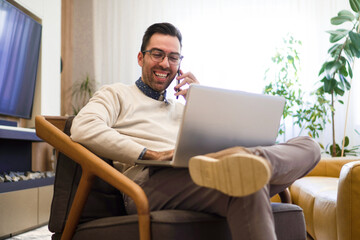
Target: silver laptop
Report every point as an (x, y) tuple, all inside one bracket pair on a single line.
[(215, 119)]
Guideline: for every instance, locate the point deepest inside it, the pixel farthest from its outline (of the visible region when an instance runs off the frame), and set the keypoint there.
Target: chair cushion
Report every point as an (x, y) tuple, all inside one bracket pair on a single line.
[(166, 224), (317, 196), (174, 224)]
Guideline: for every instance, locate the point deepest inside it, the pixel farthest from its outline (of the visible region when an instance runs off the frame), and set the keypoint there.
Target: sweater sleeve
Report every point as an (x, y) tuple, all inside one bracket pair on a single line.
[(92, 127)]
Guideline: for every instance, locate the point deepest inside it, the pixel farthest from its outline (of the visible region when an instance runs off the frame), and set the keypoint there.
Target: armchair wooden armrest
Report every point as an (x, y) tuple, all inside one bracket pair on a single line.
[(50, 130)]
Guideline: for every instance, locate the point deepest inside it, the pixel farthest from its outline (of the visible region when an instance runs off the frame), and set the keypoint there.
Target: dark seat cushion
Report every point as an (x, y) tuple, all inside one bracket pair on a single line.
[(179, 224), (166, 224)]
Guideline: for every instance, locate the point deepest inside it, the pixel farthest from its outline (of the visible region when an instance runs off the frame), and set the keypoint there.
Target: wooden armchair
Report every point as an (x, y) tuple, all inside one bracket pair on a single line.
[(92, 166), (79, 170)]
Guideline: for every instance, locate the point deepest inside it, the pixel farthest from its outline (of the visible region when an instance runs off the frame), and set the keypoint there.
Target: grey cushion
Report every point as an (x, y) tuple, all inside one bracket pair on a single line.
[(166, 224), (179, 224)]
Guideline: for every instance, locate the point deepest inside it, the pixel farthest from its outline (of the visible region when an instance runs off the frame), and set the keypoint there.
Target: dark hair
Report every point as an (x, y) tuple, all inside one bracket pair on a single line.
[(162, 28)]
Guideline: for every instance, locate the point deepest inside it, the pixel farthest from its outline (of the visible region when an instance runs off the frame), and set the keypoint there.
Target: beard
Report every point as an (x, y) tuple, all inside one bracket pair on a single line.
[(155, 77)]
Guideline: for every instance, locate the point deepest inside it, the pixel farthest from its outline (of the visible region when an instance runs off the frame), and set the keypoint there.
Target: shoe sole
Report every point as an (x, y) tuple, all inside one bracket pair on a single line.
[(235, 175)]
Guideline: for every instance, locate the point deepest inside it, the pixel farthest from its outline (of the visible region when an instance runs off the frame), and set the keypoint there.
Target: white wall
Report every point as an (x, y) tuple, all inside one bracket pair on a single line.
[(47, 99)]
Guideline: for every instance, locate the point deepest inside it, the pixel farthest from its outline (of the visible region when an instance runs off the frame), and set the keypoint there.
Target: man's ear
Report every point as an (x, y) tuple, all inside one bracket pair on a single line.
[(140, 58)]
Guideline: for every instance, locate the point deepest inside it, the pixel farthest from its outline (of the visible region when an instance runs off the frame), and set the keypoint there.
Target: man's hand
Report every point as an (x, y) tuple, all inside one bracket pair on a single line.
[(159, 156), (187, 79)]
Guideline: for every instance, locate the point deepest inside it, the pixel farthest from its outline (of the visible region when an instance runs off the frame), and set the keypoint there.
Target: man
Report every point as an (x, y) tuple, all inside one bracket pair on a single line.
[(126, 123)]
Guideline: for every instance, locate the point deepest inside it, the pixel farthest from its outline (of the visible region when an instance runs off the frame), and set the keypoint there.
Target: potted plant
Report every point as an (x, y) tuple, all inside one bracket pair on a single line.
[(82, 91), (283, 79), (337, 72)]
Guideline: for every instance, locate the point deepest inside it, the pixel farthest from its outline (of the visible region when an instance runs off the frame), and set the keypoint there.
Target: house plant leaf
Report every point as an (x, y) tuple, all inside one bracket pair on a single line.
[(338, 90), (346, 13), (355, 5), (355, 39), (329, 85), (346, 141), (335, 49), (332, 67), (343, 16), (336, 35), (354, 50)]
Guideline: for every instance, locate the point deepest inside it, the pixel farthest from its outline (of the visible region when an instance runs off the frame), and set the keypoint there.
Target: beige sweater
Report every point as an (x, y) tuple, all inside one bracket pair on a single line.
[(120, 121)]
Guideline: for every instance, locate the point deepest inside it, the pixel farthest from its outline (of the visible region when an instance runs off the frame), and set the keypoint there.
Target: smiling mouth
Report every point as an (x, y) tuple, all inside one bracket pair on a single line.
[(161, 75)]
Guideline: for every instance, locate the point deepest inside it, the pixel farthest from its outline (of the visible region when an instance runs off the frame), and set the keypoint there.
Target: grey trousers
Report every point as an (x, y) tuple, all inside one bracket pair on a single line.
[(249, 217)]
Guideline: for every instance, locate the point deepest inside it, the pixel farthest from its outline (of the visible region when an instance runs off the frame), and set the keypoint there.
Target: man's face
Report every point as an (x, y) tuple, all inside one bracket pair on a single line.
[(159, 75)]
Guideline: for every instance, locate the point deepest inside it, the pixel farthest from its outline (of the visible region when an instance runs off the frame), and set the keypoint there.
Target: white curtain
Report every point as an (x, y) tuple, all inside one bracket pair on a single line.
[(226, 43)]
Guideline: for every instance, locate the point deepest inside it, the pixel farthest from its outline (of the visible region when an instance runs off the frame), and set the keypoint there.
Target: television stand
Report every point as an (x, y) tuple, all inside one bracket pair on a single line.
[(24, 204), (8, 123)]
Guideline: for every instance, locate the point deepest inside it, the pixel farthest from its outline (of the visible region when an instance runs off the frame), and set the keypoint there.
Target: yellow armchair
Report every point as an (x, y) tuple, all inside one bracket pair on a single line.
[(330, 198)]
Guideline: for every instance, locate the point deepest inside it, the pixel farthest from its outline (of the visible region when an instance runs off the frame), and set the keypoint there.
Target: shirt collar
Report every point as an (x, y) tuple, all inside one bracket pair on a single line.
[(148, 91)]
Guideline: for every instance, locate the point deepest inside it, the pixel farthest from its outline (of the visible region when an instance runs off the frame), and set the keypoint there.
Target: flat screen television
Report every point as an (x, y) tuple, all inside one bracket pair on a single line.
[(20, 37)]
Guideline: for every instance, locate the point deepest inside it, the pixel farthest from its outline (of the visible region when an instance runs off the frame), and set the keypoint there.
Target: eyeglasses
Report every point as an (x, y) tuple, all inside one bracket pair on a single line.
[(158, 55)]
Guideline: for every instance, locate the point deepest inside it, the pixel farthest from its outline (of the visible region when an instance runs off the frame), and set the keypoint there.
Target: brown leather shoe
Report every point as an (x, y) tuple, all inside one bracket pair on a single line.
[(237, 175)]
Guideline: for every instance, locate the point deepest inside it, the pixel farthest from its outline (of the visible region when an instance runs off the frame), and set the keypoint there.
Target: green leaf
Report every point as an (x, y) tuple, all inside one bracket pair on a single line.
[(341, 101), (355, 5), (323, 67), (347, 50), (343, 71), (347, 85), (350, 70), (336, 35), (341, 84), (345, 82), (355, 39), (329, 85), (354, 50), (335, 48), (339, 20), (343, 16), (342, 60), (346, 13), (338, 91), (332, 67), (347, 141)]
